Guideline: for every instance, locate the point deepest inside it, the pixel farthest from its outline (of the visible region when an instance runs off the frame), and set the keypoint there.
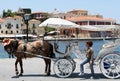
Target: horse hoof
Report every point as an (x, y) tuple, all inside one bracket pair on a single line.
[(17, 73), (20, 74), (48, 74)]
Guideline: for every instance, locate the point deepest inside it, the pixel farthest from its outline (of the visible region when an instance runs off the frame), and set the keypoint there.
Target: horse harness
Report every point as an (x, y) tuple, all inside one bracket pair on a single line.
[(14, 45)]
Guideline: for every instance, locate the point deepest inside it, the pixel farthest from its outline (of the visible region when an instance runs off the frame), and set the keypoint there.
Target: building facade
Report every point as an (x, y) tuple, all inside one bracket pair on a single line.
[(70, 14), (40, 15), (16, 25), (88, 20), (22, 11), (34, 26), (83, 18), (11, 25)]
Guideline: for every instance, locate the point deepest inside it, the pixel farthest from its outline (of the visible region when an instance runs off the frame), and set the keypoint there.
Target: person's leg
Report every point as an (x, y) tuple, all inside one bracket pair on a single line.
[(92, 69), (82, 64)]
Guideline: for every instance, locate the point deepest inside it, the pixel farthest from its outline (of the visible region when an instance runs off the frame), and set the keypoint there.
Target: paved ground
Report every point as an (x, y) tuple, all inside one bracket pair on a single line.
[(34, 71)]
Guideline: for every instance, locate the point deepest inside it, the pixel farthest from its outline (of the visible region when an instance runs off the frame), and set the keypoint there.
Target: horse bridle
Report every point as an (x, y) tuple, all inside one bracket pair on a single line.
[(13, 47)]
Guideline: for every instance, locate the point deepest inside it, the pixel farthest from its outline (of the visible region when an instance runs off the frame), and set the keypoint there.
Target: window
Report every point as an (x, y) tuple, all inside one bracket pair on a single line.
[(17, 32), (6, 32), (33, 25), (92, 22), (34, 32), (108, 23), (64, 17), (17, 26), (1, 31), (8, 25), (11, 32)]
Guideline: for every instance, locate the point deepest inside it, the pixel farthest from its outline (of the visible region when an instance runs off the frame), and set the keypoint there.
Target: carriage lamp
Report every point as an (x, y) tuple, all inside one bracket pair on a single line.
[(26, 18)]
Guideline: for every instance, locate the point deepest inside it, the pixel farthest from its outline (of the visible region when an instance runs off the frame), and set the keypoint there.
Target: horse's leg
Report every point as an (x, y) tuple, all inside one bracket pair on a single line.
[(16, 69), (48, 66), (21, 66), (45, 60)]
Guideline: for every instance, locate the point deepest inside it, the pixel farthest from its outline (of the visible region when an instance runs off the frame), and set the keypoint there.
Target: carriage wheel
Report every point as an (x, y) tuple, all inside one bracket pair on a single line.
[(110, 65), (63, 68), (73, 63)]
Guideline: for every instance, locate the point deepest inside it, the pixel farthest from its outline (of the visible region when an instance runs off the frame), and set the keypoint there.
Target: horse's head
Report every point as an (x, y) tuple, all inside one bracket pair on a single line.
[(10, 45)]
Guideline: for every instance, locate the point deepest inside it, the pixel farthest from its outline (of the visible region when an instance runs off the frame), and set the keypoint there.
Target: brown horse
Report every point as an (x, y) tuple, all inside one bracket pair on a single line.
[(23, 50)]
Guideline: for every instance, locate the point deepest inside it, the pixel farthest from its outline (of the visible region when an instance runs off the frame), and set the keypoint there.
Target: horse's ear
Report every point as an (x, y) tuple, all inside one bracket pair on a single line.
[(6, 42)]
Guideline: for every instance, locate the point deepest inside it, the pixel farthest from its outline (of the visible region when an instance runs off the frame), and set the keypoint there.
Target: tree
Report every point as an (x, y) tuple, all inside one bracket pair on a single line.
[(48, 29), (9, 13), (13, 14), (4, 13)]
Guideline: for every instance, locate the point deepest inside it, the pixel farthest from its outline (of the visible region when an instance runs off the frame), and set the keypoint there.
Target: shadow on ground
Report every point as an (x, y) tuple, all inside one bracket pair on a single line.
[(33, 75), (72, 76), (87, 76)]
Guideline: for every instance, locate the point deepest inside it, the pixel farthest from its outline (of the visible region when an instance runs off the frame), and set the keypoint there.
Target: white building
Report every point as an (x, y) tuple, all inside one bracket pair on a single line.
[(16, 25), (33, 26), (11, 25)]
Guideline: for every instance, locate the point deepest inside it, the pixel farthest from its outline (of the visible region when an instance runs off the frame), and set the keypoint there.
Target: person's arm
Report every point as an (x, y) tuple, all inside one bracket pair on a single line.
[(92, 56)]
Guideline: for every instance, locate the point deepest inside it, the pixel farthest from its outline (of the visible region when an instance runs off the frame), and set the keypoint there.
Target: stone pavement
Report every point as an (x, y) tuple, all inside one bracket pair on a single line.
[(34, 71)]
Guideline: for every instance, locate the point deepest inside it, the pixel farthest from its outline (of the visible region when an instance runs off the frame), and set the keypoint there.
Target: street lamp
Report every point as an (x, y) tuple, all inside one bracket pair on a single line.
[(26, 18)]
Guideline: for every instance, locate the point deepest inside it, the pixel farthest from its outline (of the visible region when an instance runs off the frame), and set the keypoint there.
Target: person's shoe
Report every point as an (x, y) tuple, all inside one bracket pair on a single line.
[(91, 77), (80, 74)]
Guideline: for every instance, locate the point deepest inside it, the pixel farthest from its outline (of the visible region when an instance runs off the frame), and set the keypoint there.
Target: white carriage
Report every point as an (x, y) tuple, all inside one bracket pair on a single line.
[(107, 58)]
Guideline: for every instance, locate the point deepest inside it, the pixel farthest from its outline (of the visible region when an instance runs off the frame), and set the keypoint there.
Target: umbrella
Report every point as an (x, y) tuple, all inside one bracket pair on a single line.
[(98, 28), (106, 27), (58, 22), (90, 28)]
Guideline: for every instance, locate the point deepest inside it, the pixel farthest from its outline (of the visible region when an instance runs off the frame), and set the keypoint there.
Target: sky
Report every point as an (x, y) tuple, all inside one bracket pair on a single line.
[(107, 8)]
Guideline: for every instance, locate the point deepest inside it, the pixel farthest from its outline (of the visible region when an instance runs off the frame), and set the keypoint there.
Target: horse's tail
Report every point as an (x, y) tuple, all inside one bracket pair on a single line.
[(51, 53)]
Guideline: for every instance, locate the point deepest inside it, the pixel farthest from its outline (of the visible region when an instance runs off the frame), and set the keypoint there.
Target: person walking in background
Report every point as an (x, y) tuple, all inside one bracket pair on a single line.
[(89, 59)]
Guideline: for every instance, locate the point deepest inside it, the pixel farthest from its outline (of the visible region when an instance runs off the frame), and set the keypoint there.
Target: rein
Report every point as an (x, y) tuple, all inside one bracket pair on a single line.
[(39, 56)]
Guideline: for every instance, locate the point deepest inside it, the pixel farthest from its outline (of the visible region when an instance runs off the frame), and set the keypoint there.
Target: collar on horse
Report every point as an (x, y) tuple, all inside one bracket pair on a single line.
[(13, 48)]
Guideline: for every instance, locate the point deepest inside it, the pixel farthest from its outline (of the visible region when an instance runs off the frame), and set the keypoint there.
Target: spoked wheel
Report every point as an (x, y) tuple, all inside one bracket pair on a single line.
[(110, 65), (63, 68), (73, 63)]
